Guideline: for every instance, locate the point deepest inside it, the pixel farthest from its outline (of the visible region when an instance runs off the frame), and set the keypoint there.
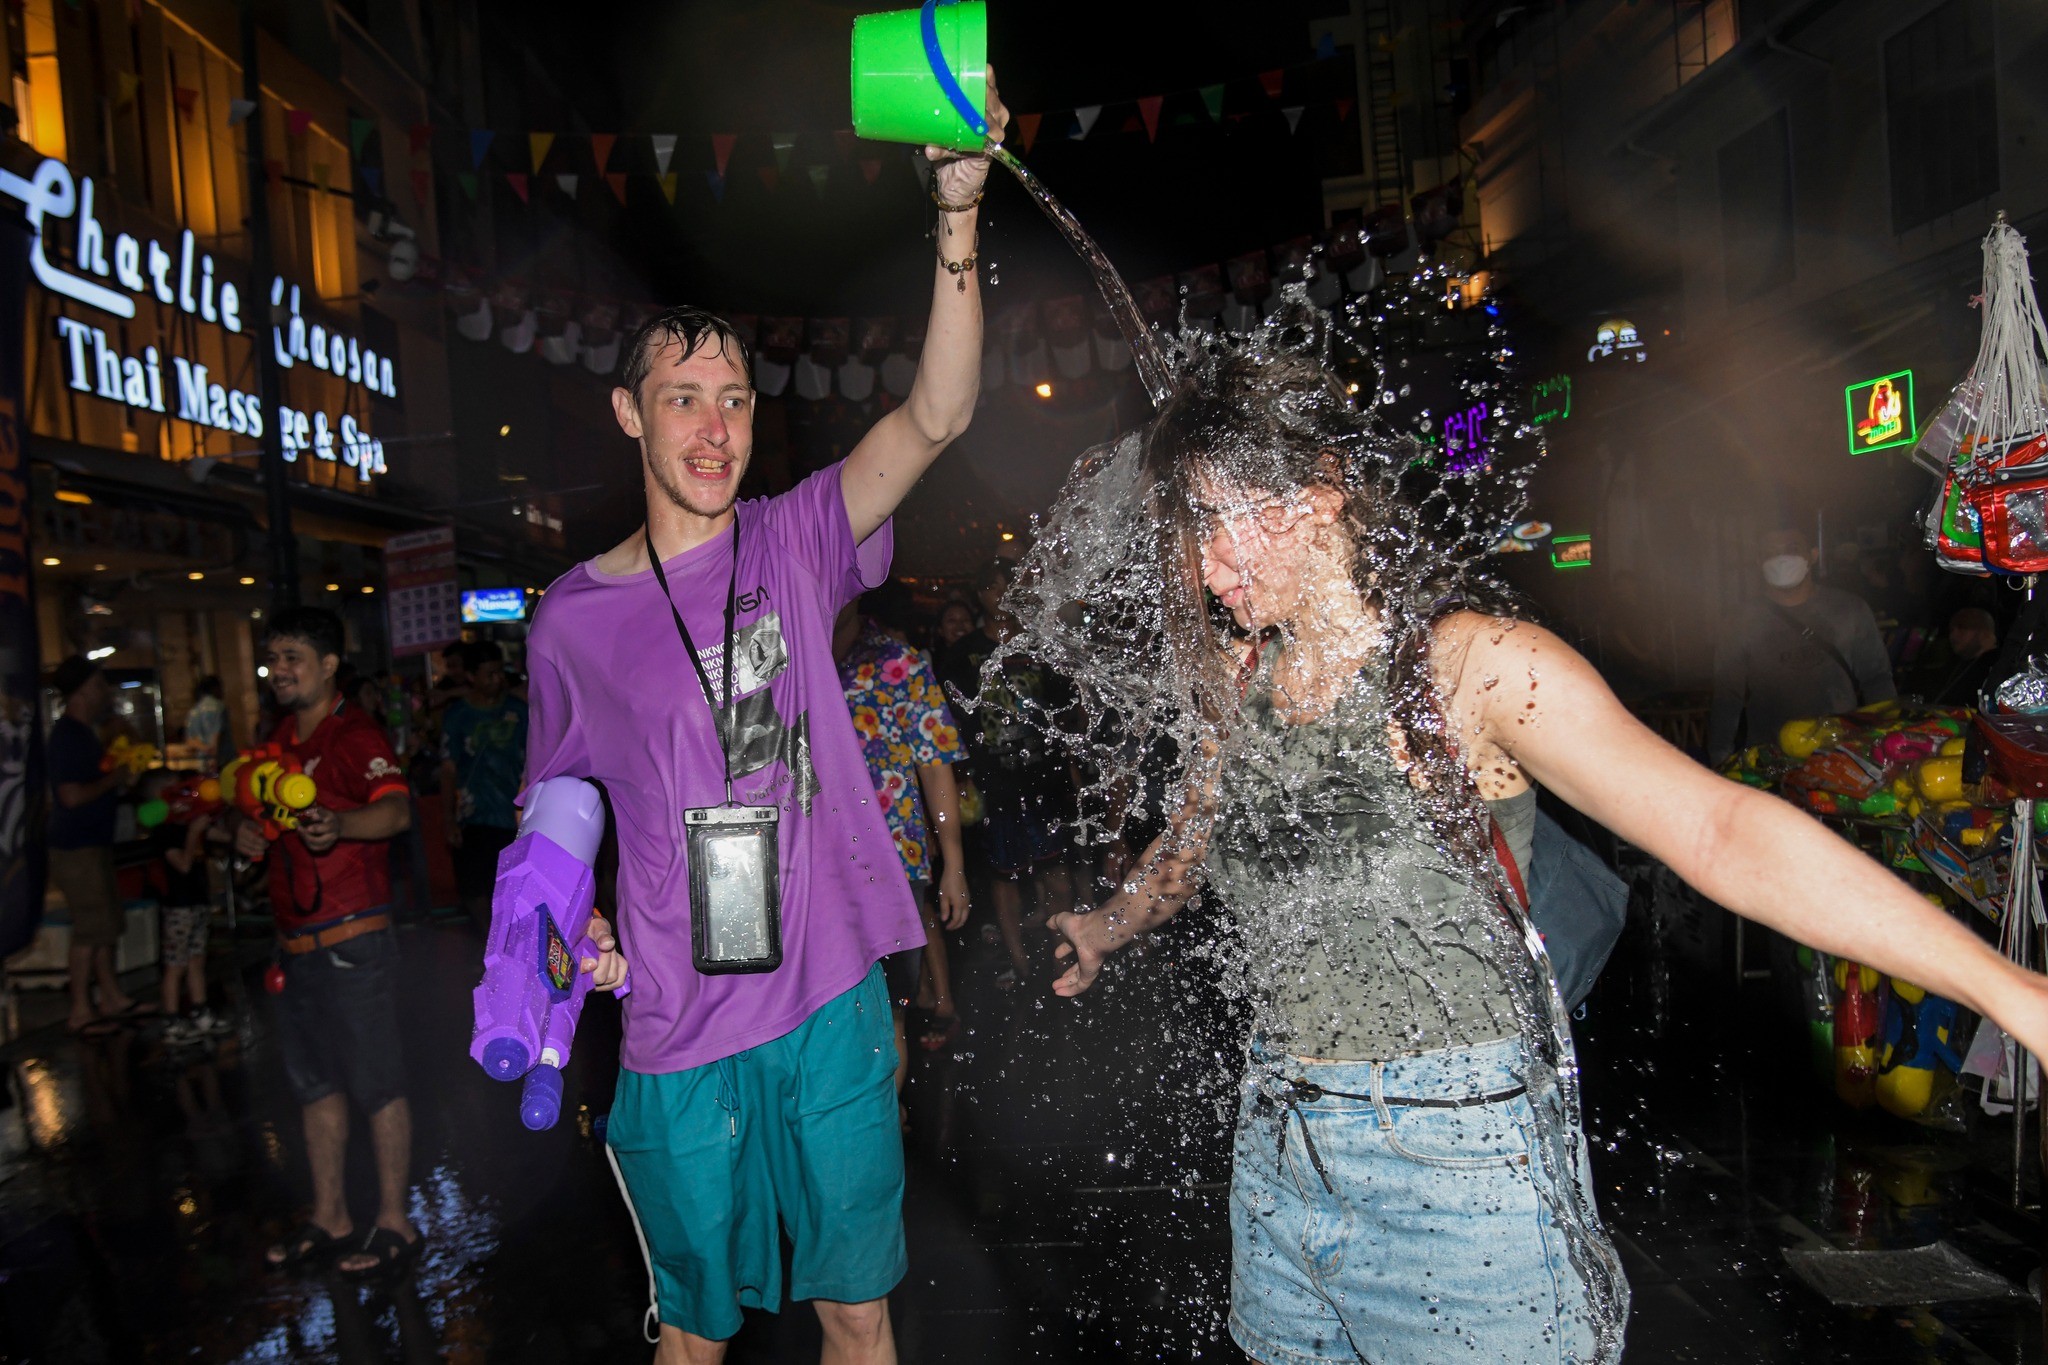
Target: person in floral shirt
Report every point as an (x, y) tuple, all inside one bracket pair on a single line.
[(910, 743)]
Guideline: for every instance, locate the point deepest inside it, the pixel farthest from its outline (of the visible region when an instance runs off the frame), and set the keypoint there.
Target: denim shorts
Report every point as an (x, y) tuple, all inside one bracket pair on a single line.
[(337, 1022), (799, 1133), (1365, 1229)]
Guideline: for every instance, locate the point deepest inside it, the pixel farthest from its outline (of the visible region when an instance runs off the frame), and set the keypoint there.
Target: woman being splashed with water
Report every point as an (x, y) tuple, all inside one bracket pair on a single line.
[(1410, 1177)]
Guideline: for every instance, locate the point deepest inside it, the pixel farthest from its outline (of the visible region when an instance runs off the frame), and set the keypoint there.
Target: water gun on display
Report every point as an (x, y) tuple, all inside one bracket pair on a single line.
[(1919, 1039), (128, 753), (532, 992), (268, 786)]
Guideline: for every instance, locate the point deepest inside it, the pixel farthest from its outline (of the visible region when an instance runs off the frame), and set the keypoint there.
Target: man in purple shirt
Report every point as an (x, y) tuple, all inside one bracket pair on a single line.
[(751, 1102)]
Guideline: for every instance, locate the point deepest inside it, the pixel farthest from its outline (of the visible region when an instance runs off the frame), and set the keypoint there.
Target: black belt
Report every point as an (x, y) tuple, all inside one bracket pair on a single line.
[(1297, 1092)]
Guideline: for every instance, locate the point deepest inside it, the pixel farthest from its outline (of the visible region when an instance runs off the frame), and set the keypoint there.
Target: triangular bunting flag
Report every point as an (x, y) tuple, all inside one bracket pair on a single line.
[(359, 130), (567, 184), (238, 110), (320, 176), (1326, 46), (479, 146), (664, 148), (1148, 109), (373, 180), (1027, 129), (1084, 119), (421, 135), (538, 144), (618, 183), (871, 167), (518, 183), (1274, 81), (467, 180), (721, 150), (296, 122), (768, 178), (422, 186), (668, 186), (819, 175), (785, 147), (1343, 110), (273, 171), (188, 101), (601, 149), (126, 83), (1293, 112), (717, 183), (1212, 100)]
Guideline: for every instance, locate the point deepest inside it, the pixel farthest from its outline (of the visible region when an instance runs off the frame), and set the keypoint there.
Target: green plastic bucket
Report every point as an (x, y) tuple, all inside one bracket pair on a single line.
[(900, 94)]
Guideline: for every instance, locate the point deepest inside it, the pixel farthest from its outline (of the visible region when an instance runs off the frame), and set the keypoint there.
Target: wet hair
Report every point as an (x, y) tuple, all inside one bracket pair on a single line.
[(1283, 423), (317, 626), (209, 686), (477, 653), (996, 571), (693, 329)]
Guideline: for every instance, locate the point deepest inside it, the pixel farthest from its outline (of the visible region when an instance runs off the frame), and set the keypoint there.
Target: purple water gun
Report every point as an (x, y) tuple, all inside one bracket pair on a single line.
[(532, 993)]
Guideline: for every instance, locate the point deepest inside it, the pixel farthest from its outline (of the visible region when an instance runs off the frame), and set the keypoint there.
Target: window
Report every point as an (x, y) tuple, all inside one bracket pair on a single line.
[(1704, 33), (1941, 113), (38, 93), (1756, 209)]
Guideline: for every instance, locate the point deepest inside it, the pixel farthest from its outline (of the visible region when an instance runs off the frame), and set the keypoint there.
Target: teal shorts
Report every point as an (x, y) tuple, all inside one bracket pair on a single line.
[(798, 1133)]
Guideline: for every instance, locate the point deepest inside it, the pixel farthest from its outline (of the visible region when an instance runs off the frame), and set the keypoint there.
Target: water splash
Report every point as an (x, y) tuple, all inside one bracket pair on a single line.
[(1153, 370)]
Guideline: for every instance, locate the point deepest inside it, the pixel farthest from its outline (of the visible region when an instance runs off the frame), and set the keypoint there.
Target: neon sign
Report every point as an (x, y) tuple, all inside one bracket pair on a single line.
[(1465, 439), (1571, 552), (1880, 413), (185, 279), (1551, 399), (1617, 336)]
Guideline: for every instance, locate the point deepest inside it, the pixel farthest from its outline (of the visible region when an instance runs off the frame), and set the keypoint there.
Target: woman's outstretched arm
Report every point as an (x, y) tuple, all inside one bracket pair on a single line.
[(1514, 689)]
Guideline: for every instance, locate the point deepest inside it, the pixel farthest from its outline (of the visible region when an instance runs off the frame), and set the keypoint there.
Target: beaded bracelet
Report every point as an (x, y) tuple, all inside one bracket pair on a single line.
[(959, 270), (945, 207)]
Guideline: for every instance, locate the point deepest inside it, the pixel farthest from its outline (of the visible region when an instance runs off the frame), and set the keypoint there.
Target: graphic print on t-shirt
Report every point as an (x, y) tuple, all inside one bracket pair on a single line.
[(760, 736)]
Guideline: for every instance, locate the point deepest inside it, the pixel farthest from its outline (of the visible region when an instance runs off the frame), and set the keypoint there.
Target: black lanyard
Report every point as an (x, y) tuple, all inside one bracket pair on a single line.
[(721, 715)]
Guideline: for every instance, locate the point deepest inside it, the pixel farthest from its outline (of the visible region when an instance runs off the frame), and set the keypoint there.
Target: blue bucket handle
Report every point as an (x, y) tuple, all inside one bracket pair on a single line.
[(943, 74)]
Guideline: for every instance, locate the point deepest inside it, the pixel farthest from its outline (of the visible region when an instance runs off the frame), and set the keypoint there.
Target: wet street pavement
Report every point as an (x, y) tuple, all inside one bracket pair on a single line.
[(1067, 1191)]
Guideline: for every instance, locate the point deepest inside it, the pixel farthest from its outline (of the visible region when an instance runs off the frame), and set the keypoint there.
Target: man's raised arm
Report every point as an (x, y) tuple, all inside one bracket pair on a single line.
[(895, 453)]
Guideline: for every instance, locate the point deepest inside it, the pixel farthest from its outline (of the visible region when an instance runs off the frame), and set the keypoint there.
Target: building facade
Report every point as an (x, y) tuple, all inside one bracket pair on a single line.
[(134, 159)]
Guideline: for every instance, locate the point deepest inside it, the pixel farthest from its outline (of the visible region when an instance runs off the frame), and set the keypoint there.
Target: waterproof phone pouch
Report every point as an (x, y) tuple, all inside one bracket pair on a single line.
[(735, 889)]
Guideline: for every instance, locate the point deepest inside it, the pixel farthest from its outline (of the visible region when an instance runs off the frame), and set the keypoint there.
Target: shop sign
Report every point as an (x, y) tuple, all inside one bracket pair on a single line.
[(1571, 552), (485, 605), (112, 272), (1880, 413), (1551, 399), (420, 588), (1616, 337)]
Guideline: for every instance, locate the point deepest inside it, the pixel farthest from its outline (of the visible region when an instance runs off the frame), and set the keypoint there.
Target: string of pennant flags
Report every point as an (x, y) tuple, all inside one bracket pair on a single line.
[(527, 161)]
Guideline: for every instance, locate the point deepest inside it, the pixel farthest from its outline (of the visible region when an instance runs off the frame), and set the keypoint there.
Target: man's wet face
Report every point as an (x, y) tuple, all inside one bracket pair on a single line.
[(694, 419)]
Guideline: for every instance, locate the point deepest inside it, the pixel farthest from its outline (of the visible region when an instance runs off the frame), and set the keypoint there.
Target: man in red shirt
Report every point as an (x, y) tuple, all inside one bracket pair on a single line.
[(330, 891)]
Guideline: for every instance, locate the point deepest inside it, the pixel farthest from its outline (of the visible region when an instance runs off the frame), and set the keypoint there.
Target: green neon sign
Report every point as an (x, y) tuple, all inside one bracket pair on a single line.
[(1881, 413), (1571, 552), (1551, 399)]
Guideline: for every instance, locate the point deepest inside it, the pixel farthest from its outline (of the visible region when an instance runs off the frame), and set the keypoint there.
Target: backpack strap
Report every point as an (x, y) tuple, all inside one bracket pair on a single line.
[(1508, 866)]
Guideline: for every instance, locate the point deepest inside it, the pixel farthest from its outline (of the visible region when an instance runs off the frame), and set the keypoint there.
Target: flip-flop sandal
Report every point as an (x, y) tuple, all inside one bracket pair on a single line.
[(939, 1033), (141, 1009), (95, 1029), (309, 1245), (394, 1254)]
